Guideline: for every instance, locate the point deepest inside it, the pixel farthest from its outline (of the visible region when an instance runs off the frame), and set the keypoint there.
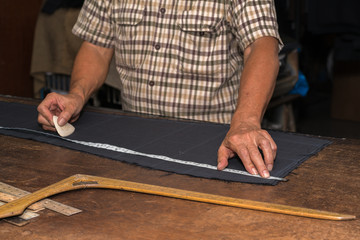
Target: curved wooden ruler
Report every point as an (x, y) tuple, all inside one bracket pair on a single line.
[(22, 219), (85, 181), (10, 193)]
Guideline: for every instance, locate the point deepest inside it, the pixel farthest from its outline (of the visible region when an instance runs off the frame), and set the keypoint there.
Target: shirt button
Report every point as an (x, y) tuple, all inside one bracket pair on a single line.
[(157, 46), (151, 83), (162, 10)]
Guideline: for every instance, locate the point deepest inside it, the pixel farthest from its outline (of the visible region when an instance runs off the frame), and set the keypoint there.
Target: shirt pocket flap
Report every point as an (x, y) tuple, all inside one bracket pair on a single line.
[(191, 21), (131, 15)]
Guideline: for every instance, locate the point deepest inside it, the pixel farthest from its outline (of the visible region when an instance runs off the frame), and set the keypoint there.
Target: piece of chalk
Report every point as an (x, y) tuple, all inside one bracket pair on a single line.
[(65, 130)]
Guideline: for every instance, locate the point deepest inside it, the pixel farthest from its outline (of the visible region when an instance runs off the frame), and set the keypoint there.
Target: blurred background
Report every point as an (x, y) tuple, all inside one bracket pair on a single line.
[(317, 91)]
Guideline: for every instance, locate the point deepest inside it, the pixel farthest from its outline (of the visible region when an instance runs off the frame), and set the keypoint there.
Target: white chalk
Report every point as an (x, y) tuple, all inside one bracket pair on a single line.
[(65, 130)]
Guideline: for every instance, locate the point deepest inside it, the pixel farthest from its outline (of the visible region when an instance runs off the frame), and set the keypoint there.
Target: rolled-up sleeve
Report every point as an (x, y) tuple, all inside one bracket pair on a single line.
[(94, 23)]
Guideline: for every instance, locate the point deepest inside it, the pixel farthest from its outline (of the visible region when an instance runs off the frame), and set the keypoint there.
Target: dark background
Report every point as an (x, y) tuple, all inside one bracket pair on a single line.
[(327, 32)]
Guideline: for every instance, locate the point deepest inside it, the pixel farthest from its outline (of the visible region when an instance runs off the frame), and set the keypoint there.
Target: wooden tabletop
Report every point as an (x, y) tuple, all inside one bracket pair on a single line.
[(329, 181)]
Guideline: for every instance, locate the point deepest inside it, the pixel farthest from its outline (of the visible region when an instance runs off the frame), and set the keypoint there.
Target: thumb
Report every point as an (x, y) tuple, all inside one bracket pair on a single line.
[(64, 118), (223, 157)]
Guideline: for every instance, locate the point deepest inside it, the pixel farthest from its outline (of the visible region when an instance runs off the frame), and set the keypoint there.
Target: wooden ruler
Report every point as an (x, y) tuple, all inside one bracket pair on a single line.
[(9, 193), (80, 181)]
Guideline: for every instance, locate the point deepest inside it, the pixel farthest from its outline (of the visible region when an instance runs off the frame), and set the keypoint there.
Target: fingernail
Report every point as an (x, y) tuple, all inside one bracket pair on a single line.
[(254, 171), (266, 174), (269, 167), (62, 121)]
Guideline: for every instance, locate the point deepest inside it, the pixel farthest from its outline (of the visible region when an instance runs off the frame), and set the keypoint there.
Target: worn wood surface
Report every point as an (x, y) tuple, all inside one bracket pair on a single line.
[(16, 207), (329, 181)]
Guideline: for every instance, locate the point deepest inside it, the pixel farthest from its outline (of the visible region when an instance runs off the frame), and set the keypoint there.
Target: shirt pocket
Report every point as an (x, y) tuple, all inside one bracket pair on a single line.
[(202, 50), (131, 36)]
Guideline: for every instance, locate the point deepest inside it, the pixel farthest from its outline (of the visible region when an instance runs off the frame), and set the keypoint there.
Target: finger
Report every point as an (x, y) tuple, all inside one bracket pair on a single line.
[(223, 157), (45, 115), (244, 156), (265, 146), (258, 161), (54, 108), (74, 118), (67, 116), (45, 127), (271, 141), (44, 122), (49, 107)]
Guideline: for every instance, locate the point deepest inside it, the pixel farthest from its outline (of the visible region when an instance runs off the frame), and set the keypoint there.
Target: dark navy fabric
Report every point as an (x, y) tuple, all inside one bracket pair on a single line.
[(187, 141)]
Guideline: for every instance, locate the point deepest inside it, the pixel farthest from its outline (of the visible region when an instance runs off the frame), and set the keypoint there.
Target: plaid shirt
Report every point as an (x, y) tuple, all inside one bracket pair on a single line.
[(178, 58)]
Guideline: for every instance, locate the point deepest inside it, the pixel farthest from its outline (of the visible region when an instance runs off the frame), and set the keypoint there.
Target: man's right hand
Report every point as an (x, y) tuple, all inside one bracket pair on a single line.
[(66, 107), (89, 73)]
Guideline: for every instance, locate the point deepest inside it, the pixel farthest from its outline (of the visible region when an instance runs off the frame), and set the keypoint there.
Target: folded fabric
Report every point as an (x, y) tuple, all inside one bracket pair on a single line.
[(175, 146)]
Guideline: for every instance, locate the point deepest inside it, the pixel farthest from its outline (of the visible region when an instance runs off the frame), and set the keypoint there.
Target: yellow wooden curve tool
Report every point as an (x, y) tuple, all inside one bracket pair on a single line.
[(80, 181)]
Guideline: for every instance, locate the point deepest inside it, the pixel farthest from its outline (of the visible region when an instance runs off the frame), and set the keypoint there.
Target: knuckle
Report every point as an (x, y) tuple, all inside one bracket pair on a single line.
[(39, 119), (234, 138), (264, 142), (263, 131), (243, 152), (254, 152), (275, 147), (52, 94)]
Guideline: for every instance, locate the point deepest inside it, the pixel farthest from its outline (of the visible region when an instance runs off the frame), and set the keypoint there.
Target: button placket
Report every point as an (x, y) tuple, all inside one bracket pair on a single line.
[(162, 11), (157, 46)]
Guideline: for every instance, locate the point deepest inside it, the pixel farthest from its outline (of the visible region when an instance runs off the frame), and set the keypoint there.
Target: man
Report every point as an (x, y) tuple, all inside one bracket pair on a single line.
[(205, 60)]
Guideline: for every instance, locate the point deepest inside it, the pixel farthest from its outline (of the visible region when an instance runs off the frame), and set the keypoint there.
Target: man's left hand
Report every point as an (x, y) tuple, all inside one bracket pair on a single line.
[(246, 140)]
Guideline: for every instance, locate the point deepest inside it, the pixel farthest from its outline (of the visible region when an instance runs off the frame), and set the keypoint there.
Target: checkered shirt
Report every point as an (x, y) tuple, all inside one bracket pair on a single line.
[(178, 58)]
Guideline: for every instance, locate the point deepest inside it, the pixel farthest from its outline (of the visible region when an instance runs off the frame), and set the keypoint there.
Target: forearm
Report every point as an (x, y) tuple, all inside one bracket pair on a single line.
[(90, 70), (257, 81), (245, 135)]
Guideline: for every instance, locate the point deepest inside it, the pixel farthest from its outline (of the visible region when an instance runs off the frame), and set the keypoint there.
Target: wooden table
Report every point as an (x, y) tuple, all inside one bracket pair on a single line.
[(328, 181)]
